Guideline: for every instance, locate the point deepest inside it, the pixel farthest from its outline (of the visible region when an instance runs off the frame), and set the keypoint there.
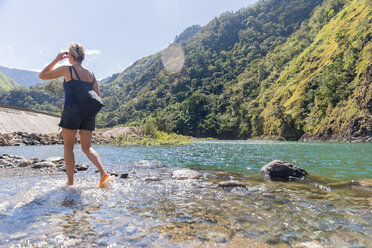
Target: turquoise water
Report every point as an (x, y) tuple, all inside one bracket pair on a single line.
[(336, 161), (333, 208)]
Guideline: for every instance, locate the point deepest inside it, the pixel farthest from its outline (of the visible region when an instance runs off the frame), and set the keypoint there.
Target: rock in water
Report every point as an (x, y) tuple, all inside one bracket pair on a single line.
[(82, 167), (22, 162), (152, 179), (55, 160), (33, 160), (283, 170), (124, 175), (231, 184), (44, 164), (16, 142), (183, 174), (4, 163)]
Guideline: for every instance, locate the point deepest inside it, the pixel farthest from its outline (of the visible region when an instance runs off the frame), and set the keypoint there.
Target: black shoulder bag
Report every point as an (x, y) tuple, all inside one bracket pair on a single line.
[(89, 102)]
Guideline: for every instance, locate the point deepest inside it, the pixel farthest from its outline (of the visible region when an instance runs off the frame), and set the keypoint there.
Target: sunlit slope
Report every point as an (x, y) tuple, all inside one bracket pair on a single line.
[(199, 100), (7, 83), (326, 91)]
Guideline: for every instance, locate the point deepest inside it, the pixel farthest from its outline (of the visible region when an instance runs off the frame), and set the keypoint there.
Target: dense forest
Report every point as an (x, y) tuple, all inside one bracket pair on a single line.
[(282, 69), (47, 96)]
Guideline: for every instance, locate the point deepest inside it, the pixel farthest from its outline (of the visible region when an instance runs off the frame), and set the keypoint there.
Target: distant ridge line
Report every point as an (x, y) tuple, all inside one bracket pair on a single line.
[(28, 110)]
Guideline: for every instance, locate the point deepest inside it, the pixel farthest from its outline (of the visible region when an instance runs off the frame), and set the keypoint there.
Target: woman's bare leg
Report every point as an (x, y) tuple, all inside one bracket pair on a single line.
[(86, 142), (68, 141)]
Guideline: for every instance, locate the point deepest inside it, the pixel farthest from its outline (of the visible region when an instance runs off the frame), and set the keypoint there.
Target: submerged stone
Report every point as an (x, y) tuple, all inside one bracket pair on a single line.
[(44, 164), (124, 175), (152, 179), (183, 174), (22, 162), (281, 170), (231, 183), (82, 167)]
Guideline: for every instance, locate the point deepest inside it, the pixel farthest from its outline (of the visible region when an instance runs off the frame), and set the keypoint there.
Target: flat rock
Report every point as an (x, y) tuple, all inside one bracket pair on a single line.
[(44, 164), (22, 162), (4, 163), (4, 156), (82, 167), (16, 142), (231, 183), (184, 174), (55, 160), (33, 160), (281, 170), (152, 179)]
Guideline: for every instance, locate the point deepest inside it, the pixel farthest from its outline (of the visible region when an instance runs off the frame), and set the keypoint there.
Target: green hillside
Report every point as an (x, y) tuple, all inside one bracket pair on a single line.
[(7, 83), (326, 90), (196, 100), (282, 69)]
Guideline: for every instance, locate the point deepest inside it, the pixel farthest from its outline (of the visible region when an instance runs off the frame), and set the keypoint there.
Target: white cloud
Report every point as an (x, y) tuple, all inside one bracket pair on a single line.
[(35, 70), (1, 51), (10, 48), (92, 52)]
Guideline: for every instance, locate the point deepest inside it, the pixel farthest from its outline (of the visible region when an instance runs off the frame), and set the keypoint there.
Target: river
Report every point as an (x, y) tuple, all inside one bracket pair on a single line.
[(332, 208)]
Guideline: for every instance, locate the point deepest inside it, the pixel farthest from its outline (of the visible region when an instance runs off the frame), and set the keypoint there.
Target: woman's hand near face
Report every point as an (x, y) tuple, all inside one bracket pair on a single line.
[(61, 56), (49, 73)]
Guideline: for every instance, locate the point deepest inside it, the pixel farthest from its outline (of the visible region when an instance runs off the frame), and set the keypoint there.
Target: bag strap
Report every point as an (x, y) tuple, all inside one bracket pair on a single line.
[(75, 73)]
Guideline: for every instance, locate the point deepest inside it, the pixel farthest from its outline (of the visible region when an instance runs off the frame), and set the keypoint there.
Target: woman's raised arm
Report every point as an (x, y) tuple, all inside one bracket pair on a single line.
[(49, 73)]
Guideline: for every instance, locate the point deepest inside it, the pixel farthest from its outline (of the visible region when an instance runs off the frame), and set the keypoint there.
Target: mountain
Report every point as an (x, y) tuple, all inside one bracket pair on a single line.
[(206, 97), (281, 69), (187, 33), (7, 83), (23, 77)]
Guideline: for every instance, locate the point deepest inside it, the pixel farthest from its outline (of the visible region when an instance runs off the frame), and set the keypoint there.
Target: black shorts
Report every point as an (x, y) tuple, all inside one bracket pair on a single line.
[(71, 119)]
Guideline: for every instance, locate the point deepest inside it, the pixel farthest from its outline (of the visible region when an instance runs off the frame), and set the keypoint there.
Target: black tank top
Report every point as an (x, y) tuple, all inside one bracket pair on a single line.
[(70, 85)]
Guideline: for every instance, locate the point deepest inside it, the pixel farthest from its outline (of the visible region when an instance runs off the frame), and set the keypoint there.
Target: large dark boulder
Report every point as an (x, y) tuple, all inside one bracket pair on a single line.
[(280, 170)]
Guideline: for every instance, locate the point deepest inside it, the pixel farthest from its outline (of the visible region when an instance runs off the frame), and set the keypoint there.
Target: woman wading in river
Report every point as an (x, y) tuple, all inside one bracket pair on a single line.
[(71, 121)]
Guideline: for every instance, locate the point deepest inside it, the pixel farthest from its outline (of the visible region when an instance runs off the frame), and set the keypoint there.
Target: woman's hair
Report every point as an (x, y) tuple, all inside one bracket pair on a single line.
[(77, 51)]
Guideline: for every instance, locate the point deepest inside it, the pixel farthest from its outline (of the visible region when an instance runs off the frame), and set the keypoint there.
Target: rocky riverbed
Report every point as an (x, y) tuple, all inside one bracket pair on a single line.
[(151, 203)]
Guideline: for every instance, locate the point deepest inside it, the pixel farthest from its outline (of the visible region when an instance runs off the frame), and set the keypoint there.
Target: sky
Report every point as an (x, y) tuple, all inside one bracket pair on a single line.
[(115, 33)]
